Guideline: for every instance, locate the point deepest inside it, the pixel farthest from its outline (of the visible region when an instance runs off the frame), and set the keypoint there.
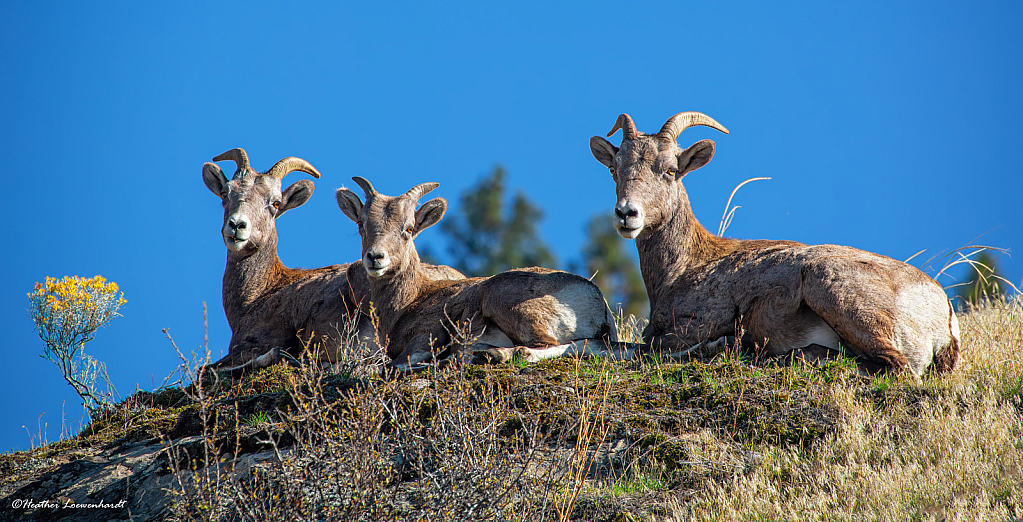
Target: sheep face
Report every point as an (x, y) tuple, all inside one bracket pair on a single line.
[(388, 225), (252, 202), (648, 170)]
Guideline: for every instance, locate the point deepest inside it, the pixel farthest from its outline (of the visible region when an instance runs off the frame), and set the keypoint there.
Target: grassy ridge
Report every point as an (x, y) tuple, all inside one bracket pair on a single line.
[(950, 448), (725, 439)]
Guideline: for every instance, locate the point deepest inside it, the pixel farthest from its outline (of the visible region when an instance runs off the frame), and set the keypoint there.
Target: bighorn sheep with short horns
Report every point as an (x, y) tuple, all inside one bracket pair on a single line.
[(269, 306), (535, 313), (784, 296)]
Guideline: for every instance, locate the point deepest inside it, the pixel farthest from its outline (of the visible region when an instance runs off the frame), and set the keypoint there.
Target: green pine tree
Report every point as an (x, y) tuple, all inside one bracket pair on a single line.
[(984, 279), (484, 239), (608, 255)]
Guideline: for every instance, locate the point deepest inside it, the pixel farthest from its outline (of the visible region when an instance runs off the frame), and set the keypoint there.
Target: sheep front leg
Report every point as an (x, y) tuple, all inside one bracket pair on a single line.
[(582, 348), (671, 347), (418, 351)]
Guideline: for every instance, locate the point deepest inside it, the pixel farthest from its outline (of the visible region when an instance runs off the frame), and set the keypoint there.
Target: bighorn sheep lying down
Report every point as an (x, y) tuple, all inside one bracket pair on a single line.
[(534, 312), (783, 295), (269, 306)]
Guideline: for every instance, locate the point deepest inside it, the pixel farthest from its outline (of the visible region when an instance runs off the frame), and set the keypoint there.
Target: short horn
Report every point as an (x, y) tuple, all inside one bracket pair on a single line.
[(367, 187), (421, 189), (291, 164), (238, 156), (683, 120), (628, 127)]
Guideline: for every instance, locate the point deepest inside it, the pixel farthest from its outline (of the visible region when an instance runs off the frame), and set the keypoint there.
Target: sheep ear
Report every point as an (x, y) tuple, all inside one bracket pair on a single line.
[(296, 195), (214, 179), (696, 156), (603, 150), (349, 203), (430, 213)]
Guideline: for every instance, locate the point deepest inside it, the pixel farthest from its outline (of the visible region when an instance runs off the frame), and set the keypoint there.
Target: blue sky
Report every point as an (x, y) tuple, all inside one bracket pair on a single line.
[(884, 126)]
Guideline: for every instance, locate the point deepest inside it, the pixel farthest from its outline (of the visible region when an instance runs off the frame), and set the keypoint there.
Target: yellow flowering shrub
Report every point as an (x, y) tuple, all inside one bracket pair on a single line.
[(67, 312), (73, 305)]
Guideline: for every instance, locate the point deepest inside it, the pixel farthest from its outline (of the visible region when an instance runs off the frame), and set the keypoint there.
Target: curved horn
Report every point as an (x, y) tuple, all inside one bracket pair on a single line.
[(291, 164), (367, 187), (421, 189), (683, 120), (628, 127), (238, 156)]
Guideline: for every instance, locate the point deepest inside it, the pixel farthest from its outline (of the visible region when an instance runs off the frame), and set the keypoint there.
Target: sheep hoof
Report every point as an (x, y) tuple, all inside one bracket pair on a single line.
[(488, 354), (283, 355)]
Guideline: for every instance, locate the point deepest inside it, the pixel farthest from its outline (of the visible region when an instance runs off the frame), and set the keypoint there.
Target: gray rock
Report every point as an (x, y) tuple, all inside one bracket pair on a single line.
[(130, 481)]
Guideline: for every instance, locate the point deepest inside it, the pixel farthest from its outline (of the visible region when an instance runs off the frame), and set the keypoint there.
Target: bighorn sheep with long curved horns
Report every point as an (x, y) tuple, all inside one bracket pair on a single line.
[(269, 306), (533, 312), (783, 295)]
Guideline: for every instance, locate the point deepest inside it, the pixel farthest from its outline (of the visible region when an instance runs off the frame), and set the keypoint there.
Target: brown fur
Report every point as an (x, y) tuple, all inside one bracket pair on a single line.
[(781, 294), (270, 306), (419, 315)]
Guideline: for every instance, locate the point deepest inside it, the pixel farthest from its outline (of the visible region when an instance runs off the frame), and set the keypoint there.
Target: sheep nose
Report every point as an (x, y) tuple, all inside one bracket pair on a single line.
[(374, 256), (238, 222), (625, 210)]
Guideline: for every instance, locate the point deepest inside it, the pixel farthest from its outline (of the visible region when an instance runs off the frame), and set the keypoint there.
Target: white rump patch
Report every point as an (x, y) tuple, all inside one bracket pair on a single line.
[(578, 313), (923, 324), (919, 300)]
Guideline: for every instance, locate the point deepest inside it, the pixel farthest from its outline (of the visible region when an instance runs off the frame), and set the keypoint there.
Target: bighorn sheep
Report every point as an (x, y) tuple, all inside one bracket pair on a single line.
[(269, 306), (533, 312), (782, 295)]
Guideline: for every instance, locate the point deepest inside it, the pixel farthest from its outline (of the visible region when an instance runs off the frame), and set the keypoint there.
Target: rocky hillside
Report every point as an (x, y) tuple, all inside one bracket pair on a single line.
[(729, 438)]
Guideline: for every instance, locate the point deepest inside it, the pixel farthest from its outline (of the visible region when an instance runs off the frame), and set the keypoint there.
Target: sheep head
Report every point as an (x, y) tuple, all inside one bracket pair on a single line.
[(388, 225), (252, 200), (647, 167)]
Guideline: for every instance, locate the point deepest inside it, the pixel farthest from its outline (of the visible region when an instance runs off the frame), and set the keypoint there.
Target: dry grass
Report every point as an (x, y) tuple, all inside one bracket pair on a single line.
[(357, 448), (567, 439), (597, 440), (950, 448)]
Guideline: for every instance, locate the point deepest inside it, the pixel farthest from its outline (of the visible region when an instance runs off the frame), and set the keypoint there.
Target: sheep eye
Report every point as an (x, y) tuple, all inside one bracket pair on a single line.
[(409, 230), (671, 172), (612, 169), (277, 205)]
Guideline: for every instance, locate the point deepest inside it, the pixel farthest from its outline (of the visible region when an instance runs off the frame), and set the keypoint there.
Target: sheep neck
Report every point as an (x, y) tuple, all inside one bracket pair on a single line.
[(248, 278), (392, 296), (678, 245)]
